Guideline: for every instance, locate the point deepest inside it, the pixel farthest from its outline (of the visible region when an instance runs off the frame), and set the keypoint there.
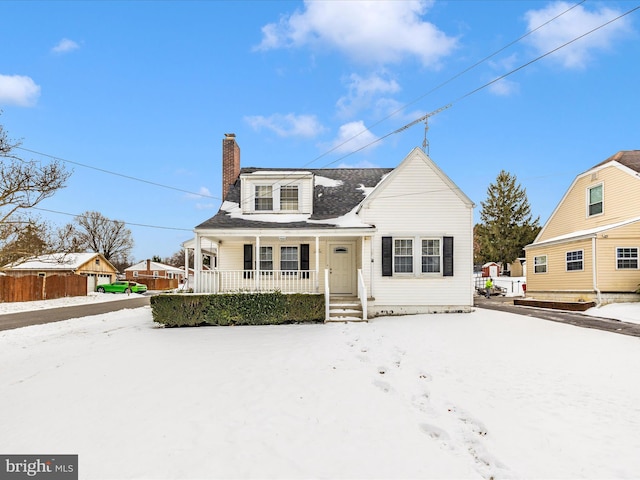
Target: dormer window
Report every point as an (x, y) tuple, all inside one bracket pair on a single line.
[(277, 192), (595, 200), (264, 197), (289, 197)]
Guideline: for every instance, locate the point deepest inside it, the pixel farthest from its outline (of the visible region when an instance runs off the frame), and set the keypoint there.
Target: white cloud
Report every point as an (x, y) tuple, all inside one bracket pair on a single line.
[(353, 136), (504, 87), (367, 31), (363, 92), (360, 164), (203, 193), (65, 45), (18, 90), (289, 125), (571, 25)]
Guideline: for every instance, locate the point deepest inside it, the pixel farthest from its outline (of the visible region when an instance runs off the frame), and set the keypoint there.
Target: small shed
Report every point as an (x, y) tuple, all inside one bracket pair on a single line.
[(490, 269)]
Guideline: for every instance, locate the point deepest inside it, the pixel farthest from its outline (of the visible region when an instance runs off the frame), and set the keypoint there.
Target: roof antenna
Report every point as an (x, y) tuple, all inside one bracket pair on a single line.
[(425, 143)]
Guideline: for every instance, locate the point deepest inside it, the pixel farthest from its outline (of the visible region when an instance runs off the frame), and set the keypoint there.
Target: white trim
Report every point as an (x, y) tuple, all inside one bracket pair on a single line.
[(588, 200)]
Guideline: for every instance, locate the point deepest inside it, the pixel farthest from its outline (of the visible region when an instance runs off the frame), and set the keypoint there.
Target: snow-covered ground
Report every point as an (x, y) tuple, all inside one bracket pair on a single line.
[(478, 395)]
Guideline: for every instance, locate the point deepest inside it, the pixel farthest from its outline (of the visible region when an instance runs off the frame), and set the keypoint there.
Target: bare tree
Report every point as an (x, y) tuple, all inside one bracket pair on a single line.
[(24, 184), (177, 259), (92, 231)]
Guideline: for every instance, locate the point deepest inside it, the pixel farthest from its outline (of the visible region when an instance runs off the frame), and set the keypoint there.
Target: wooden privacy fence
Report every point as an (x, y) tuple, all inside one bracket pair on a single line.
[(33, 287), (157, 283)]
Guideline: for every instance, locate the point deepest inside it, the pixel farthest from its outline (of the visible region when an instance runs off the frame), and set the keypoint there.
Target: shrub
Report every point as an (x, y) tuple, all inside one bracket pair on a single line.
[(180, 310)]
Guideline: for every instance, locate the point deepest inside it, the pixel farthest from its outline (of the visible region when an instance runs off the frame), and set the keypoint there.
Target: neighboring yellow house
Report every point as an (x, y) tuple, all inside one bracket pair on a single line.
[(589, 248)]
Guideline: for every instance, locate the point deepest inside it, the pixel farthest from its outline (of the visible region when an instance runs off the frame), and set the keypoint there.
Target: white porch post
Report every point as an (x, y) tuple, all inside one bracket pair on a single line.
[(257, 269), (186, 267), (197, 265), (317, 263)]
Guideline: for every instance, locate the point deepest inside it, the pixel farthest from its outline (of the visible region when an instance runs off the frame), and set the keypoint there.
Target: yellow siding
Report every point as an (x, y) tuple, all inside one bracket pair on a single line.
[(621, 192), (610, 278), (91, 267), (557, 277)]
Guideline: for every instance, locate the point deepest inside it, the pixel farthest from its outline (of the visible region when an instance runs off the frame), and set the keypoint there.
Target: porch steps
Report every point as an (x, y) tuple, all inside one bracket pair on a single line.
[(345, 309)]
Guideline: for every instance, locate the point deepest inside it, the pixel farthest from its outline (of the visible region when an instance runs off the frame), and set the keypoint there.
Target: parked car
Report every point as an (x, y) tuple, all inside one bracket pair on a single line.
[(122, 286)]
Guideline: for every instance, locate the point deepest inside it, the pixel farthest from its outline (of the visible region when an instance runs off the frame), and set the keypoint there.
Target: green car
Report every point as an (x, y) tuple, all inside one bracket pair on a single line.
[(122, 286)]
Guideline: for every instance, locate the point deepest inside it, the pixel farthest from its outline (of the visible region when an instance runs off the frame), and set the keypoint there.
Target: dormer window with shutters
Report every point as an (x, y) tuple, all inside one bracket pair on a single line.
[(277, 192)]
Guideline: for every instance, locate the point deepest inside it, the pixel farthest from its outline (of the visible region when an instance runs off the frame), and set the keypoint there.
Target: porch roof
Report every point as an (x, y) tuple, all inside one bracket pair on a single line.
[(333, 202)]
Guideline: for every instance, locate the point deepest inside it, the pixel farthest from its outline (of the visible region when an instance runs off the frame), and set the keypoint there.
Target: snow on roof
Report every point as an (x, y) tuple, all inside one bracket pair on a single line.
[(234, 211), (154, 266), (279, 173), (54, 261), (326, 182)]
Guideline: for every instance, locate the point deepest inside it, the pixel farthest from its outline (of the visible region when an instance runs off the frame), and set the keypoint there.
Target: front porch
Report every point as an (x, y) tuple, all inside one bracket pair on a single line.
[(330, 266)]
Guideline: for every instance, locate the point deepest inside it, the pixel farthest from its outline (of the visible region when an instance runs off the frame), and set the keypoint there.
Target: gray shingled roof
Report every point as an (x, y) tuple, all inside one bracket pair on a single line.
[(628, 158), (328, 202)]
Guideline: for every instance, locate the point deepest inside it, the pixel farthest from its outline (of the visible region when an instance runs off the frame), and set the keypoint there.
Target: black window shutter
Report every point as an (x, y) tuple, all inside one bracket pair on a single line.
[(304, 259), (387, 256), (248, 260), (447, 254)]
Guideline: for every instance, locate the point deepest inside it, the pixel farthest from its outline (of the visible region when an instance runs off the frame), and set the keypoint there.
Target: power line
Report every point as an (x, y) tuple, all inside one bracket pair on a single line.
[(137, 179), (437, 87), (379, 139), (120, 221)]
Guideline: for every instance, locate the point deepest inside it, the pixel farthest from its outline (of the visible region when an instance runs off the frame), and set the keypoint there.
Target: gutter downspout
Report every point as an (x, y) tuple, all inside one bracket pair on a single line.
[(595, 270)]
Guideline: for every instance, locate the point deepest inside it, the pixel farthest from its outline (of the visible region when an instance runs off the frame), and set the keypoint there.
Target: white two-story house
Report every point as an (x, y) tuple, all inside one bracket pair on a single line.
[(399, 240)]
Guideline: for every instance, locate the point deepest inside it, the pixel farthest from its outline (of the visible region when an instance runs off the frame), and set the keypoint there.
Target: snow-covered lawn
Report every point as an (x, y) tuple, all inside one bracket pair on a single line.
[(479, 395)]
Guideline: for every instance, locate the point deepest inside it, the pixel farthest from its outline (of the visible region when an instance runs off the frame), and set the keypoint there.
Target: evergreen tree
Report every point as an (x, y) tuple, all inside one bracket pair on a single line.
[(29, 238), (506, 225)]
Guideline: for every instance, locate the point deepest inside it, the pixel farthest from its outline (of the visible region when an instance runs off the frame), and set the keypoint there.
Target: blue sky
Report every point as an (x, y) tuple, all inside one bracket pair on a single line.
[(147, 90)]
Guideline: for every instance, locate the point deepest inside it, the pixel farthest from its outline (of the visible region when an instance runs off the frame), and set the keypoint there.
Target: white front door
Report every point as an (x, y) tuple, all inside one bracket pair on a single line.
[(342, 268)]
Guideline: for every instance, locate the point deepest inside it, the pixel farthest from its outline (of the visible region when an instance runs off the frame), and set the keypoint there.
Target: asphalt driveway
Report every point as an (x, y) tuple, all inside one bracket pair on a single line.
[(38, 317), (572, 318)]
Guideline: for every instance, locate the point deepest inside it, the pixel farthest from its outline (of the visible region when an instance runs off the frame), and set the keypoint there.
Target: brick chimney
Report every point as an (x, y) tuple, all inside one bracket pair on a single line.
[(230, 162)]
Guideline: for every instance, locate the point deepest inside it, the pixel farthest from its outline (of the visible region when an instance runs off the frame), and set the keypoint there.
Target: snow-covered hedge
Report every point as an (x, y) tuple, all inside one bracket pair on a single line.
[(180, 310)]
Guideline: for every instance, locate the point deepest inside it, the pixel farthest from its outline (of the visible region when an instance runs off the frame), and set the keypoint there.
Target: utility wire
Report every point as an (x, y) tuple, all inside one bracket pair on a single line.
[(446, 82), (395, 112), (379, 139), (119, 221), (137, 179)]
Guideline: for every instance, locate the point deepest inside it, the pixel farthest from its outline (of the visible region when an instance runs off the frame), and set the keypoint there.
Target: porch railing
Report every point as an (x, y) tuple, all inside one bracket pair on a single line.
[(285, 281)]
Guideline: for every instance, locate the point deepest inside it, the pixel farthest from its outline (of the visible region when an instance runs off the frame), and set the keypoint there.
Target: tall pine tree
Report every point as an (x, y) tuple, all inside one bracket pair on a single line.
[(506, 225)]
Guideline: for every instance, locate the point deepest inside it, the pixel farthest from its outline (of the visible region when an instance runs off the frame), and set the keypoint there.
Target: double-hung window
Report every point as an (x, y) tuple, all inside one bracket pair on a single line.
[(403, 255), (431, 255), (289, 197), (540, 264), (266, 258), (289, 259), (264, 197), (595, 200), (627, 258), (575, 261)]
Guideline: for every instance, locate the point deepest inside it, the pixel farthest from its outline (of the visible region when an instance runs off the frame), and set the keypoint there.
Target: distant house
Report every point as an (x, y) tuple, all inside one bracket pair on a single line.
[(94, 266), (381, 240), (589, 248), (148, 270)]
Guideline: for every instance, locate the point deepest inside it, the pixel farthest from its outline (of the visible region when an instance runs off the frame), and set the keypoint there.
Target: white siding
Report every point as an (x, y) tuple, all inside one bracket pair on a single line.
[(418, 202)]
